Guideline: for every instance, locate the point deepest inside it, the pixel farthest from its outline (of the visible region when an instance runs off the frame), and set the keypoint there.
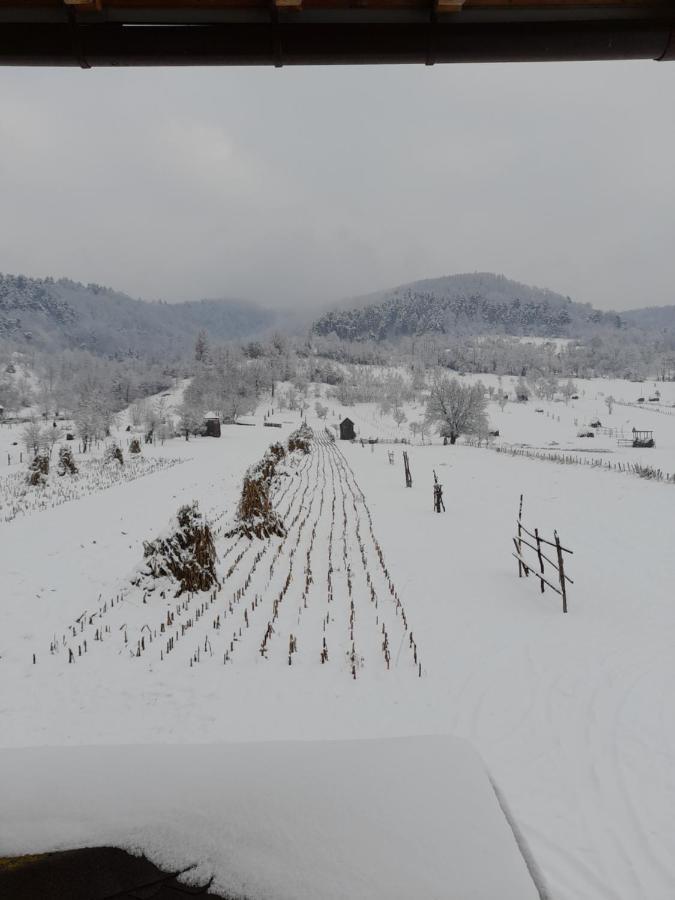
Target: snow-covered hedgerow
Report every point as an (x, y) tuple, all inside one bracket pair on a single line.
[(186, 554)]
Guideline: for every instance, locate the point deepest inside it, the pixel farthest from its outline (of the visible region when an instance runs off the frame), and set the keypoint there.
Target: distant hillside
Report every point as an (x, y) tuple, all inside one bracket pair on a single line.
[(55, 315), (464, 304), (652, 318)]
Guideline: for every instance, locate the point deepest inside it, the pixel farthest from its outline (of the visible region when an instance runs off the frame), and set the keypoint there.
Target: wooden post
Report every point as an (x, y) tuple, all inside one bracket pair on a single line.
[(541, 561), (520, 545), (561, 570), (406, 466), (439, 506)]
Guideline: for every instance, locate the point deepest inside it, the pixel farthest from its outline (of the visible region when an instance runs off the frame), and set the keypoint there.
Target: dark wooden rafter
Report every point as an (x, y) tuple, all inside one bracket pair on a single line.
[(302, 32)]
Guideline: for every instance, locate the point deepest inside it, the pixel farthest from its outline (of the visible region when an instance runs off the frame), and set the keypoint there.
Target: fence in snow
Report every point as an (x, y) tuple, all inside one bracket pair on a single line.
[(543, 560), (570, 459)]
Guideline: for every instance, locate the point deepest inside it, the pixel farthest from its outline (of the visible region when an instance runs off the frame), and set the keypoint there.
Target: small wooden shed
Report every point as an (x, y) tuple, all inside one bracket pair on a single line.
[(212, 424), (643, 438), (347, 432)]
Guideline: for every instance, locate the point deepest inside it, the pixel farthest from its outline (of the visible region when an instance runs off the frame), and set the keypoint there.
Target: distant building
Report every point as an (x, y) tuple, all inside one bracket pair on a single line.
[(347, 432), (212, 424)]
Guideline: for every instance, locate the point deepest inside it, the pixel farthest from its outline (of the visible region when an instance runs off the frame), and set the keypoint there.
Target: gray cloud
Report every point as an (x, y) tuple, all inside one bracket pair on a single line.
[(306, 185)]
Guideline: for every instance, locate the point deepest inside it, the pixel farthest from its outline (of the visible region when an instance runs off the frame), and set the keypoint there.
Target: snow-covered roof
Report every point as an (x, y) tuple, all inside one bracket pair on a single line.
[(305, 820), (211, 415)]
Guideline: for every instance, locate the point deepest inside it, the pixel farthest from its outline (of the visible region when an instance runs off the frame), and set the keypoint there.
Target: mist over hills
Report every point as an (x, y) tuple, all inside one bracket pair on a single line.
[(54, 315), (478, 303), (64, 314), (652, 318)]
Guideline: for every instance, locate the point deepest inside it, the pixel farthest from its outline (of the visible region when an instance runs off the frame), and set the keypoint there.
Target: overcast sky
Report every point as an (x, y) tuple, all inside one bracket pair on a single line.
[(307, 185)]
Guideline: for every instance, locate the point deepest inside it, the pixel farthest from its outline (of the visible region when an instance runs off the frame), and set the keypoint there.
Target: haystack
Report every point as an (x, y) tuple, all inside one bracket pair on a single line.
[(300, 440), (67, 465), (256, 517), (112, 454), (38, 470), (187, 553)]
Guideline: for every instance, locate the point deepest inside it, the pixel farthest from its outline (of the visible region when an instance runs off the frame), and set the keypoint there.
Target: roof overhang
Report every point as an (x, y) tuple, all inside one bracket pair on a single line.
[(308, 32)]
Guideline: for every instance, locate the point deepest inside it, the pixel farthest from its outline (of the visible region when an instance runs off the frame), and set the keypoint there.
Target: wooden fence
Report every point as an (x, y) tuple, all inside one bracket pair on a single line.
[(525, 567), (571, 459)]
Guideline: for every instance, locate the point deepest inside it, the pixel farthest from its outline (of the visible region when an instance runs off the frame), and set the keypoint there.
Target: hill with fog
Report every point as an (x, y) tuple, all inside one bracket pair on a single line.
[(652, 318), (57, 315), (479, 303)]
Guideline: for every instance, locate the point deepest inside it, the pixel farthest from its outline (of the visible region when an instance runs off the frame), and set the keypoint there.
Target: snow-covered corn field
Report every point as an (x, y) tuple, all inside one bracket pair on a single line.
[(18, 498)]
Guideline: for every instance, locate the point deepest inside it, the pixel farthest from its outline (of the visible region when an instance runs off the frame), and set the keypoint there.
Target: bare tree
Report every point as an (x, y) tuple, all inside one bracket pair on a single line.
[(52, 436), (399, 416), (502, 399), (456, 408), (202, 347), (34, 437), (569, 390), (137, 412), (522, 390)]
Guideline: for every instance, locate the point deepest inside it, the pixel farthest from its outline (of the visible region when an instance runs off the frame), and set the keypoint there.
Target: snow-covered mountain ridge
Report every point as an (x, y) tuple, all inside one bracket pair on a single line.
[(480, 303)]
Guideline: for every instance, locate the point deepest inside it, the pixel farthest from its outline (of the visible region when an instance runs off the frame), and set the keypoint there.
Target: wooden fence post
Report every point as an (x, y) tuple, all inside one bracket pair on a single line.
[(561, 570), (520, 544), (541, 561), (406, 466)]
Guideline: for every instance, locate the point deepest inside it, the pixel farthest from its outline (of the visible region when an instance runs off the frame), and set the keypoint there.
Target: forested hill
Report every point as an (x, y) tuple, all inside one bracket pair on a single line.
[(56, 315), (480, 303), (652, 318)]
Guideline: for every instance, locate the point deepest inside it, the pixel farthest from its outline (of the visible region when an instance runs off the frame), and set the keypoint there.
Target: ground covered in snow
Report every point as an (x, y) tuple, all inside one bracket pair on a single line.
[(427, 627)]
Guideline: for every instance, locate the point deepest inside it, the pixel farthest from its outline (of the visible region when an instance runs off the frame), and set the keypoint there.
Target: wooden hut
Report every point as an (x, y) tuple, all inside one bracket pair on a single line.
[(212, 424), (347, 432)]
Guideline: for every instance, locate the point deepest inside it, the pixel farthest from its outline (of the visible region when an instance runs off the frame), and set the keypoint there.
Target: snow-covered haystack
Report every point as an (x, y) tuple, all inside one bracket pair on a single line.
[(113, 454), (186, 553), (67, 465), (38, 470), (300, 439), (256, 516)]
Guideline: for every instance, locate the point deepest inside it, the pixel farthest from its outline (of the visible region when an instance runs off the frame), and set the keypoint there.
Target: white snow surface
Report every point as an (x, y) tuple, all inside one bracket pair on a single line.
[(571, 714), (414, 817)]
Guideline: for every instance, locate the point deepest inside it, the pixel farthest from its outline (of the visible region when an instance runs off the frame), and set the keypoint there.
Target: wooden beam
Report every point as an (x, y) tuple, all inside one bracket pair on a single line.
[(449, 6), (288, 4), (85, 5)]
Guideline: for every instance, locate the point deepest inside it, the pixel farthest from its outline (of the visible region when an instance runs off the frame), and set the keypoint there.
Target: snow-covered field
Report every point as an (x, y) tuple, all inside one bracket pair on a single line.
[(428, 629)]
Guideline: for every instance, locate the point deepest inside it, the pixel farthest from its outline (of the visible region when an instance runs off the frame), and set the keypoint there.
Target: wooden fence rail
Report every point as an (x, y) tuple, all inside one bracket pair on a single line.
[(525, 567), (651, 473)]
